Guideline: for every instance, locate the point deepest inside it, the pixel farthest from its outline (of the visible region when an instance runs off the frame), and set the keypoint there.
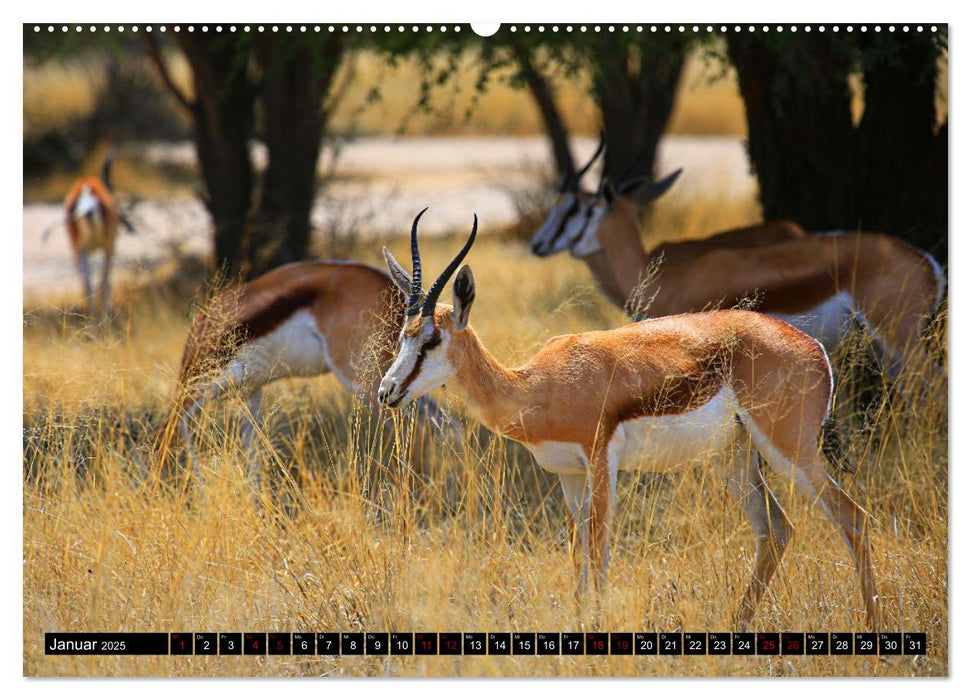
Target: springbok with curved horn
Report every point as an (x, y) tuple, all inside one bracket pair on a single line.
[(298, 320), (816, 283), (656, 395), (92, 218), (569, 220)]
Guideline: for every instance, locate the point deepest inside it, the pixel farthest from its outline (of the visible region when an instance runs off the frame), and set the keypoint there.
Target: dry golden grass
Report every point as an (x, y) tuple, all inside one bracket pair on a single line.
[(349, 538), (57, 92)]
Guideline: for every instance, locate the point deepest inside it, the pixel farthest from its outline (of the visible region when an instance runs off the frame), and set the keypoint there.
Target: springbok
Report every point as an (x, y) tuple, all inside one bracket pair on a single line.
[(816, 283), (298, 320), (658, 394), (92, 218), (568, 222)]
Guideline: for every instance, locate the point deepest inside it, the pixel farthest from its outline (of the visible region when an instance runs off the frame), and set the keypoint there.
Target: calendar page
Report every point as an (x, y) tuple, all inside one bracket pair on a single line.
[(437, 349)]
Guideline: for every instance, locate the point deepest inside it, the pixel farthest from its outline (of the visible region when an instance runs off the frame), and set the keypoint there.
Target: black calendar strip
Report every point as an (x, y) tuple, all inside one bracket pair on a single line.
[(487, 644)]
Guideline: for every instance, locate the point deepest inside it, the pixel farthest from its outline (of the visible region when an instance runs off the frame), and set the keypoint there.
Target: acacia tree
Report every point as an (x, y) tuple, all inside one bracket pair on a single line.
[(633, 78), (221, 113), (814, 165), (544, 96), (635, 81), (296, 79), (270, 86), (902, 152)]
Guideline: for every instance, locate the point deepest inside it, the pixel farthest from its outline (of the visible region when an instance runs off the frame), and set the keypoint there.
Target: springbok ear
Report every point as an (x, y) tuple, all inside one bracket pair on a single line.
[(463, 294), (644, 191), (401, 278)]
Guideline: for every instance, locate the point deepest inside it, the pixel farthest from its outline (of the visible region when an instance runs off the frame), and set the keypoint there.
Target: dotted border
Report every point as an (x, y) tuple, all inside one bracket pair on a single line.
[(554, 28)]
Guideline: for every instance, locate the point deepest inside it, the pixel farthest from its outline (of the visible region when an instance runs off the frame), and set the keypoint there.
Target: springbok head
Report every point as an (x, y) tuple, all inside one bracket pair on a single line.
[(565, 222), (576, 216), (422, 363), (632, 194)]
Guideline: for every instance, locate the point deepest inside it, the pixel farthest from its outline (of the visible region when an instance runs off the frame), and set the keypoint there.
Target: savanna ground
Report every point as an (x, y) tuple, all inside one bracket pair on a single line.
[(357, 530)]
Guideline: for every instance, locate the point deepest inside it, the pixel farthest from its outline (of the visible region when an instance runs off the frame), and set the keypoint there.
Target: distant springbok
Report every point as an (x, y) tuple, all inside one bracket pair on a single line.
[(567, 227), (92, 218), (816, 283), (658, 395), (298, 320)]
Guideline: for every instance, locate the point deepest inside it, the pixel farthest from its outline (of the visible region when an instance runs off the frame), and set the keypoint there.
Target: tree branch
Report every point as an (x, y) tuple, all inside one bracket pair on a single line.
[(152, 49), (338, 93)]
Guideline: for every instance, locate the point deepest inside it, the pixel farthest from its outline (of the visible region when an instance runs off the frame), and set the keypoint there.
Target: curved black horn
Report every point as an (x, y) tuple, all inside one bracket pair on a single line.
[(582, 171), (415, 297), (432, 298)]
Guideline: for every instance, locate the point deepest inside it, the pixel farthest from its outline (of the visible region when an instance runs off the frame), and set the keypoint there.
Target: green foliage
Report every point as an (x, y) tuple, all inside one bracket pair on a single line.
[(59, 45), (851, 53)]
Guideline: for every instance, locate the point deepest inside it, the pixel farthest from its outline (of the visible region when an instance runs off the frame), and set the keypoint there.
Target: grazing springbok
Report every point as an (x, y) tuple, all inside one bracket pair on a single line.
[(816, 283), (298, 320), (569, 220), (92, 218), (659, 395)]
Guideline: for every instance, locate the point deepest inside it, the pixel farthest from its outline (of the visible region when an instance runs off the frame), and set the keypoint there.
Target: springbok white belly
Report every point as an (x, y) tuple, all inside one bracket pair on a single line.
[(652, 443), (559, 457), (827, 322), (295, 348)]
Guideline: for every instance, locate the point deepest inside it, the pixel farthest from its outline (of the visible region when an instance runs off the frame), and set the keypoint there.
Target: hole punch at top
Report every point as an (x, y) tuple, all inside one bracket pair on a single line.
[(485, 29)]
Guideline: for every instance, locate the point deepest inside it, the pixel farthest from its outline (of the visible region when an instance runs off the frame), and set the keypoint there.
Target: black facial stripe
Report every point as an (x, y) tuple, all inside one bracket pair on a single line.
[(432, 343), (588, 214), (561, 229)]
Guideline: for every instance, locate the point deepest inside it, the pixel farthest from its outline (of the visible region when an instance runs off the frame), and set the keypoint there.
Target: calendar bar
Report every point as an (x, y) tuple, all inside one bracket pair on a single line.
[(409, 644)]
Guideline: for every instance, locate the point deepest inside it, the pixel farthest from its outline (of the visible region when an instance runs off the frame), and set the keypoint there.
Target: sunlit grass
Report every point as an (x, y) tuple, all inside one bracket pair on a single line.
[(357, 532), (57, 92)]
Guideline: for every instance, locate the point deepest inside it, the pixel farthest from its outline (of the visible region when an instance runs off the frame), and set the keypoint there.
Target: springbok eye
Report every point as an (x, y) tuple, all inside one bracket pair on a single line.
[(432, 343)]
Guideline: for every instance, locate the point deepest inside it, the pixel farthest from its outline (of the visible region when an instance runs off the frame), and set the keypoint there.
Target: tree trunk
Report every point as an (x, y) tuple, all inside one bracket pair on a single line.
[(800, 127), (902, 166), (635, 86), (295, 81), (888, 174), (222, 117), (543, 94)]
